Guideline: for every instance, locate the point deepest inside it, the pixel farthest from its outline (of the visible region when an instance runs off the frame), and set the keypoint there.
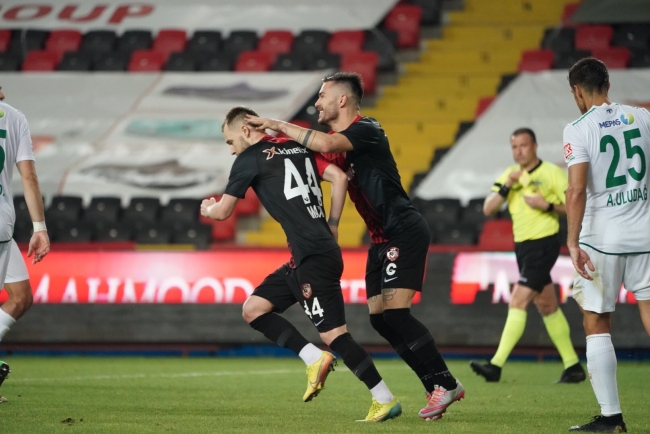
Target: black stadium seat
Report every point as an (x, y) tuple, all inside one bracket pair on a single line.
[(98, 41), (457, 235), (382, 42), (113, 232), (441, 210), (431, 11), (112, 62), (23, 230), (198, 234), (153, 235), (204, 41), (640, 59), (9, 62), (311, 42), (472, 214), (323, 61), (288, 62), (181, 62), (559, 40), (103, 209), (73, 61), (65, 208), (73, 233), (132, 40), (181, 211), (24, 41), (632, 36), (239, 41), (20, 208), (216, 62), (142, 211), (566, 60)]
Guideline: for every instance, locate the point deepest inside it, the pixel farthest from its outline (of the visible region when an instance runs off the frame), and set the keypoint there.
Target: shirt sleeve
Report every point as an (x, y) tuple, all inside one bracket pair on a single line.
[(321, 164), (364, 136), (25, 148), (242, 174), (575, 148), (501, 180)]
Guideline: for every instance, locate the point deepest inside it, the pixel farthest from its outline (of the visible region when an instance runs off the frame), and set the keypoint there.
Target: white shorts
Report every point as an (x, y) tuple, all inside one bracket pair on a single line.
[(5, 249), (612, 271), (17, 270)]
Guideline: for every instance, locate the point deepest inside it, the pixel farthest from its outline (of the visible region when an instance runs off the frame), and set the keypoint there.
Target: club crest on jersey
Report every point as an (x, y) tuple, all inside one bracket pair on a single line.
[(306, 290), (270, 153), (392, 254)]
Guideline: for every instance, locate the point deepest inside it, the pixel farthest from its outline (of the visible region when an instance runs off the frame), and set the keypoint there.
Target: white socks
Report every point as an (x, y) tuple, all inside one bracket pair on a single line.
[(381, 394), (6, 321), (310, 354), (601, 363)]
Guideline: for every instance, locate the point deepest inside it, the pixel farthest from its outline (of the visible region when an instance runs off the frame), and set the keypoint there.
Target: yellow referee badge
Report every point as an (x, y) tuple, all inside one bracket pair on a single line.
[(524, 178)]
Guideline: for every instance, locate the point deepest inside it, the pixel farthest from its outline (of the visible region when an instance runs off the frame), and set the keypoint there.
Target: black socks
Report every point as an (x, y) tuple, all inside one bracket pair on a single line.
[(280, 331), (357, 359)]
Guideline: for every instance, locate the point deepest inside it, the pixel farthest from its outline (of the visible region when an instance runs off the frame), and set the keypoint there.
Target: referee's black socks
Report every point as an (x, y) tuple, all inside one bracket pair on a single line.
[(395, 340), (421, 343), (356, 359), (280, 331)]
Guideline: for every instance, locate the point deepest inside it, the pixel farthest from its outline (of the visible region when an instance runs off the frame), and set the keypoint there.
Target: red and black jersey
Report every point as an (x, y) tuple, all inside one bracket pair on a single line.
[(374, 183), (286, 178)]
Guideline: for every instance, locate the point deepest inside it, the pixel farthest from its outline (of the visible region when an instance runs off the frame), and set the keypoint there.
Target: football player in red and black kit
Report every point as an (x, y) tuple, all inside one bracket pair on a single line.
[(400, 236), (286, 178)]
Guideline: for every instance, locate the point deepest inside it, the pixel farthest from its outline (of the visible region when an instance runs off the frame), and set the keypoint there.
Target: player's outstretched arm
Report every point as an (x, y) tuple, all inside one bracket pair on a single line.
[(219, 210), (310, 139), (39, 244), (339, 181), (576, 201)]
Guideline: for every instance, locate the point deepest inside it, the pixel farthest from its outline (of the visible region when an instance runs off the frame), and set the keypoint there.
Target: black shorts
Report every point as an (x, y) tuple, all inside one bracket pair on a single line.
[(315, 284), (535, 259), (399, 263)]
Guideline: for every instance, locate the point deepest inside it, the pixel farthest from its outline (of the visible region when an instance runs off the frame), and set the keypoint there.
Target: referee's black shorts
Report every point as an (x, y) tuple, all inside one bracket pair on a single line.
[(535, 259)]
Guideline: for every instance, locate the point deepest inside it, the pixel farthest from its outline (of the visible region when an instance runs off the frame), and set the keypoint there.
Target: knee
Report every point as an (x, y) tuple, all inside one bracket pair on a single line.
[(23, 299), (250, 311), (596, 324), (545, 308), (395, 317)]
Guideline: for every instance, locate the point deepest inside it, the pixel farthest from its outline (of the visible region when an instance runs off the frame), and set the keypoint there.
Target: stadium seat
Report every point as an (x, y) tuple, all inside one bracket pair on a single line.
[(146, 61), (438, 155), (405, 20), (472, 214), (73, 233), (24, 41), (559, 40), (365, 64), (65, 208), (103, 209), (459, 235), (323, 61), (506, 79), (9, 62), (614, 58), (640, 59), (593, 37), (216, 62), (153, 235), (111, 62), (632, 36), (249, 205), (61, 41), (239, 41), (169, 41), (276, 42), (445, 210), (288, 62), (20, 208), (5, 39), (113, 232), (75, 61), (181, 210), (346, 42), (567, 59), (98, 41), (483, 104), (181, 62), (204, 41), (23, 230), (536, 60), (254, 61), (384, 43), (497, 236), (431, 11), (132, 40), (221, 230), (141, 210), (569, 10), (39, 60), (311, 42), (197, 234), (463, 128)]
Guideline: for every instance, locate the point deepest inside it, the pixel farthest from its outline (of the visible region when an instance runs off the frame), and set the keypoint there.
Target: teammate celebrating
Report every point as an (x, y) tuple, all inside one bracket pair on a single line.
[(283, 174), (608, 212), (16, 149), (400, 236)]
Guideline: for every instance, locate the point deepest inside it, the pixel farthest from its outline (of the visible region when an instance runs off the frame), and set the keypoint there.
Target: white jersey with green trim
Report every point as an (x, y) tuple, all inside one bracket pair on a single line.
[(15, 146), (615, 140)]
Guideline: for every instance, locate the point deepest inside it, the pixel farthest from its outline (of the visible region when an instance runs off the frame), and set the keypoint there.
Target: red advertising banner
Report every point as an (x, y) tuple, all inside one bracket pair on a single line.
[(169, 277), (478, 271)]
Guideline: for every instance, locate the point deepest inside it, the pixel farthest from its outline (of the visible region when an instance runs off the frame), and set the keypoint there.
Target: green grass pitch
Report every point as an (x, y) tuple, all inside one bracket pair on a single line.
[(227, 395)]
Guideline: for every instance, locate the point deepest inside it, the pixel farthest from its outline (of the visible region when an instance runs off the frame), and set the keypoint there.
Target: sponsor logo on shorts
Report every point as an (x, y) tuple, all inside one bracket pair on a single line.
[(306, 290), (568, 152), (392, 254)]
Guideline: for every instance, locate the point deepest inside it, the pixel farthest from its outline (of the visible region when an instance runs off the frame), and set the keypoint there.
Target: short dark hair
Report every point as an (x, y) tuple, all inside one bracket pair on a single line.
[(525, 130), (237, 113), (352, 80), (590, 74)]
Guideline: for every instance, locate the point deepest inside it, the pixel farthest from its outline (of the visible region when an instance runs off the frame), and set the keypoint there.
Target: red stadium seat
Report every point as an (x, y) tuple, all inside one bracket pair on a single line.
[(276, 42), (536, 60), (169, 41), (249, 205), (61, 41), (254, 61), (5, 39), (346, 42), (614, 58), (497, 236), (483, 105), (593, 37), (365, 64), (40, 60), (146, 61), (569, 10), (405, 20)]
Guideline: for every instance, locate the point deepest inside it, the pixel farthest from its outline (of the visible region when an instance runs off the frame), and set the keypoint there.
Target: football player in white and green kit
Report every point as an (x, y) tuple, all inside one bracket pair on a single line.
[(608, 213)]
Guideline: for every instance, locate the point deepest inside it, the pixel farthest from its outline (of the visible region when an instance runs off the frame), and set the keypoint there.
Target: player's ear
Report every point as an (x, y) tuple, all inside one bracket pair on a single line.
[(245, 129), (343, 100)]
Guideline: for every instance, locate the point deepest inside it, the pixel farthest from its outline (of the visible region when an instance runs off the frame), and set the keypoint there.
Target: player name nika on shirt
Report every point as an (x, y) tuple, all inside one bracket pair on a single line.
[(615, 141)]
